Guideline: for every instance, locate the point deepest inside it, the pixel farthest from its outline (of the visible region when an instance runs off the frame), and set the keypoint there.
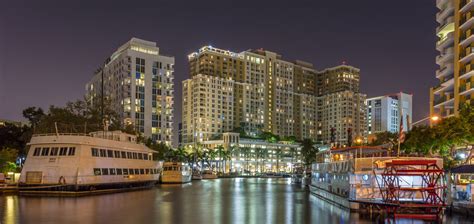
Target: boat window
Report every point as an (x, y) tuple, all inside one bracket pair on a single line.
[(96, 171), (134, 155), (95, 152), (63, 151), (105, 171), (125, 171), (131, 171), (142, 171), (72, 151), (152, 171), (155, 157), (112, 171), (147, 171), (119, 171), (102, 153), (124, 154), (145, 156), (175, 168), (129, 155), (137, 171), (140, 156), (37, 152), (45, 151), (54, 151), (117, 154), (110, 153)]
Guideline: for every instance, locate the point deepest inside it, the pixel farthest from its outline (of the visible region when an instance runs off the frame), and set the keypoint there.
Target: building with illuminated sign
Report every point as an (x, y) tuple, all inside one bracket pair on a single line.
[(456, 58), (384, 112), (138, 83)]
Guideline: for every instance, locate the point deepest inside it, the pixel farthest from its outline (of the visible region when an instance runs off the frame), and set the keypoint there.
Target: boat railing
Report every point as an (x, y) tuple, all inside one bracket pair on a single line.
[(61, 134)]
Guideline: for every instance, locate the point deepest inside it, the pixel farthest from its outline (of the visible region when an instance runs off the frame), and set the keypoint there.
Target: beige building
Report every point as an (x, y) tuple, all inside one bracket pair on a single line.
[(138, 82), (455, 59), (258, 91)]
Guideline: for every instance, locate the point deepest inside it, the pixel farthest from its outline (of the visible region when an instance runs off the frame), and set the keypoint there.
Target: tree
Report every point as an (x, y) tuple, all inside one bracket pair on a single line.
[(308, 152), (219, 151), (386, 137), (7, 160), (34, 115)]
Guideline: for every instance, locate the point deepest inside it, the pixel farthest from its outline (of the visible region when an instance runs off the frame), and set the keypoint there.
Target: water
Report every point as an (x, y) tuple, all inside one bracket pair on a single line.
[(208, 201)]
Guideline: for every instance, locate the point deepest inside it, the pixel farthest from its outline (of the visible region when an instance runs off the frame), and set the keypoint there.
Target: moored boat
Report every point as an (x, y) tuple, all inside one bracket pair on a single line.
[(208, 174), (176, 172), (97, 162)]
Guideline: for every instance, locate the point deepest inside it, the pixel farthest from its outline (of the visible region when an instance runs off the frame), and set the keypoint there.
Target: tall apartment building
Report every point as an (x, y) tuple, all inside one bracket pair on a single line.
[(384, 112), (257, 90), (455, 59), (138, 83), (342, 109)]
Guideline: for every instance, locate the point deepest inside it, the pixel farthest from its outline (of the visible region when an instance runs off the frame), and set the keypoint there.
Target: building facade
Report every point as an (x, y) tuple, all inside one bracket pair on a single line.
[(455, 59), (384, 113), (257, 91), (251, 156), (342, 109), (138, 83)]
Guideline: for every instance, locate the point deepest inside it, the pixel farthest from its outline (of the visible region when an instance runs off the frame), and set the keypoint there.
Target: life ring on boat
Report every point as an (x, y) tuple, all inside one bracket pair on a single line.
[(62, 180)]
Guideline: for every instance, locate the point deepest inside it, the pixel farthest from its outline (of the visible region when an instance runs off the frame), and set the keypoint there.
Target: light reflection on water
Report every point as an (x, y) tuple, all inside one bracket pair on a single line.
[(208, 201)]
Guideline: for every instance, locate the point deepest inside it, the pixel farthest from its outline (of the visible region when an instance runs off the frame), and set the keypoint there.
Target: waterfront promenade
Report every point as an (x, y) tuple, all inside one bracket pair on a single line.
[(230, 200)]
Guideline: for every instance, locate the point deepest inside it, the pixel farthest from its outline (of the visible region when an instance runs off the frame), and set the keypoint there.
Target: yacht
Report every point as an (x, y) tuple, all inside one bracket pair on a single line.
[(99, 161), (176, 172), (208, 174), (197, 175)]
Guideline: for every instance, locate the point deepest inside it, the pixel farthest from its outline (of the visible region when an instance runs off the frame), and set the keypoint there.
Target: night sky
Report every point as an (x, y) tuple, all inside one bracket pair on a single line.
[(49, 49)]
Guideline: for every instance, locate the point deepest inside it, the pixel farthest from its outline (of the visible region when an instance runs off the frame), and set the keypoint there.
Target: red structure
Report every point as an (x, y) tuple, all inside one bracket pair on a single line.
[(413, 189)]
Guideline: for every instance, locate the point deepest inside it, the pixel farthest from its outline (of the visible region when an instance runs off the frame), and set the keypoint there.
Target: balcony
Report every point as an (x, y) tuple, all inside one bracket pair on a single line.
[(467, 37), (446, 56), (445, 12), (446, 101), (445, 71), (465, 74), (467, 6), (440, 3), (466, 23), (466, 55), (445, 42), (466, 89)]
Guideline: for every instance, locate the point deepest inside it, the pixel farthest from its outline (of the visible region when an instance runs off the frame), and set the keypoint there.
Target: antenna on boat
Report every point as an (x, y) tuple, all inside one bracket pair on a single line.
[(56, 128)]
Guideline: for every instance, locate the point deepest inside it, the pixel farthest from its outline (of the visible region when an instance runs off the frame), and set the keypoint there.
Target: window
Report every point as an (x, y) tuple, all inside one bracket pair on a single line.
[(137, 171), (147, 171), (72, 151), (124, 154), (102, 153), (54, 151), (119, 171), (110, 153), (140, 156), (135, 155), (37, 152), (112, 171), (145, 156), (125, 171), (117, 154), (63, 151), (142, 171), (105, 171), (95, 152), (129, 155), (97, 171), (130, 171), (45, 152)]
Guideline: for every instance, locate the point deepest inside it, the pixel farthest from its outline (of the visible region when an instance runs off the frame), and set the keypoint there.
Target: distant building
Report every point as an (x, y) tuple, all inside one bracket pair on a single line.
[(180, 134), (4, 122), (342, 109), (138, 82), (455, 58), (384, 113)]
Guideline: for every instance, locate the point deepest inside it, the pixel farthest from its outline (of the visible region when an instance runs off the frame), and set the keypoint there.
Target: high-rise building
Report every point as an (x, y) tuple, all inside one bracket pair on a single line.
[(384, 112), (138, 83), (342, 109), (258, 91), (455, 59)]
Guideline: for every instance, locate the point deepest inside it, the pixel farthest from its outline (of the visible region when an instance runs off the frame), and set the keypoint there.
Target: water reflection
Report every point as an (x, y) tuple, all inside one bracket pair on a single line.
[(208, 201)]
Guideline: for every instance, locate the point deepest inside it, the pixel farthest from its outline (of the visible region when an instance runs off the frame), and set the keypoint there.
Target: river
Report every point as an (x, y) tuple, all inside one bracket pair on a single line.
[(240, 200)]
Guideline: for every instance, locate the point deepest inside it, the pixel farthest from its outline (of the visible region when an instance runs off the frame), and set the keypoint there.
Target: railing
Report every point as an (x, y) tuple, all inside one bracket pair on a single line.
[(61, 134)]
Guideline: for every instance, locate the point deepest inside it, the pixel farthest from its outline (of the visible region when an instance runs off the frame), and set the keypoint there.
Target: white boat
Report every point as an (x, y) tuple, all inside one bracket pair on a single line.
[(88, 162), (175, 172), (208, 174), (197, 175), (271, 175)]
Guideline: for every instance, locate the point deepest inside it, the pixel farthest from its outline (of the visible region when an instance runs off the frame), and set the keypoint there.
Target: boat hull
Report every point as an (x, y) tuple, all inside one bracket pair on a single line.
[(175, 179), (333, 198), (83, 189)]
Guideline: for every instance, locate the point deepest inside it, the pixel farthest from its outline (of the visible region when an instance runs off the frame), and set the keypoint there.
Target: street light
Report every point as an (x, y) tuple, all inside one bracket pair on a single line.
[(358, 140), (435, 118)]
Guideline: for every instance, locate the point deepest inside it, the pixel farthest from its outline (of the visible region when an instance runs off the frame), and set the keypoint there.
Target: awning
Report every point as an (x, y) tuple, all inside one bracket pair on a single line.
[(463, 169)]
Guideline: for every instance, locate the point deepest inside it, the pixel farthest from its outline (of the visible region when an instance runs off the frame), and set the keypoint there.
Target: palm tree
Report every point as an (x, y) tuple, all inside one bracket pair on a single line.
[(278, 153), (219, 150), (292, 154), (246, 151), (227, 155)]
